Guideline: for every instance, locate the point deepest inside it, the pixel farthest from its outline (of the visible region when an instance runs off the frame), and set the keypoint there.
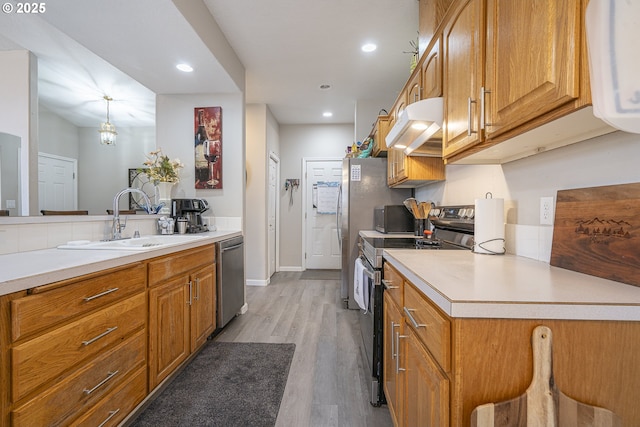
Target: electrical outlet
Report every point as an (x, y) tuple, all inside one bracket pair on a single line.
[(546, 210)]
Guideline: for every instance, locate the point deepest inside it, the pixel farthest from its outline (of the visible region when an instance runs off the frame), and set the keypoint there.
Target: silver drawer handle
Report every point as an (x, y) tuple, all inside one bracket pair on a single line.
[(110, 375), (413, 321), (111, 415), (387, 284), (197, 297), (94, 339), (398, 336), (107, 292)]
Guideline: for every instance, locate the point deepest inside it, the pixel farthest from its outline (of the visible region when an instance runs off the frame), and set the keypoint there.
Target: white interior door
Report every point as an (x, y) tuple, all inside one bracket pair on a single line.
[(274, 165), (57, 183), (322, 250)]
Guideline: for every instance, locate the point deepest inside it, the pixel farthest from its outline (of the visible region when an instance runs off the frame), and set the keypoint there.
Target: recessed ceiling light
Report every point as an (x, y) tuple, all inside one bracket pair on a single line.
[(369, 47), (327, 114), (325, 87), (184, 67)]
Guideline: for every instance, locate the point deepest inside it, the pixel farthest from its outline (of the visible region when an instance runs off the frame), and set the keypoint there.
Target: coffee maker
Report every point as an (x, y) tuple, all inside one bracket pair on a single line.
[(191, 210)]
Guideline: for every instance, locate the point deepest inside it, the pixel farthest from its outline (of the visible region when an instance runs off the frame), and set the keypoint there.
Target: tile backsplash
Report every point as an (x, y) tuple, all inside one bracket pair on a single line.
[(33, 233)]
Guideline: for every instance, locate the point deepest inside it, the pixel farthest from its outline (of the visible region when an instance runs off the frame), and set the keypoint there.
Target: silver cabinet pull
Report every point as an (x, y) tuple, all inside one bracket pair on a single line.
[(110, 375), (101, 294), (190, 302), (470, 131), (197, 297), (387, 284), (393, 349), (415, 324), (483, 117), (398, 336), (111, 415), (94, 339)]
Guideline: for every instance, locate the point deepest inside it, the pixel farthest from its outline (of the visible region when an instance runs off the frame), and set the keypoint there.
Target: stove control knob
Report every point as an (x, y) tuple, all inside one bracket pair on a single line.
[(435, 212), (462, 213), (471, 213)]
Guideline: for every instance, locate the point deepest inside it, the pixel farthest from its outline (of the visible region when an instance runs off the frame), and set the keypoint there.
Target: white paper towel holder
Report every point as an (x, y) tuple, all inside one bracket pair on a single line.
[(489, 195)]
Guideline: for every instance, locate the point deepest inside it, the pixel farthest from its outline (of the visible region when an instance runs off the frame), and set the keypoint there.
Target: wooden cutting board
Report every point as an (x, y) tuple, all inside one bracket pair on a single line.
[(597, 232), (542, 405)]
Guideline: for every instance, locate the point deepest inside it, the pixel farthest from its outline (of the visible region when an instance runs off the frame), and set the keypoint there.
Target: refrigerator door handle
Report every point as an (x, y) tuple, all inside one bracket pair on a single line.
[(339, 216)]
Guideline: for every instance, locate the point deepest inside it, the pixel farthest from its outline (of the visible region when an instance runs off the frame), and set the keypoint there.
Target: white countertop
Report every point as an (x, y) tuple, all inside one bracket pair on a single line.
[(465, 284), (24, 270)]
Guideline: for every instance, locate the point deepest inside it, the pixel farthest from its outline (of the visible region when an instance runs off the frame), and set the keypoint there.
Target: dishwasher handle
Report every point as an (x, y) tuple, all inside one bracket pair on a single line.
[(228, 248)]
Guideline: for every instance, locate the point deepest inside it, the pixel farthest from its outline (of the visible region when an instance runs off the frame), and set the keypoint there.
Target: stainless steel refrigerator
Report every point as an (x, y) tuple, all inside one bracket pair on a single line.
[(364, 186)]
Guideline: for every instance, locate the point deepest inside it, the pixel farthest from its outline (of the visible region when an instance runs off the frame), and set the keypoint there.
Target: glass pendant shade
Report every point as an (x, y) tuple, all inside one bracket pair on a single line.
[(107, 130)]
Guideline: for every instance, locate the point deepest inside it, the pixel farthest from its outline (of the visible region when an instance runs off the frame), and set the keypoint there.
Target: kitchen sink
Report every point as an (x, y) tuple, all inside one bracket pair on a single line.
[(133, 244)]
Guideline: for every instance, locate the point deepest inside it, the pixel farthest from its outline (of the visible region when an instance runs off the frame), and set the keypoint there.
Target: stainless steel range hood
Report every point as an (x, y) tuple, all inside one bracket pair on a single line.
[(418, 128)]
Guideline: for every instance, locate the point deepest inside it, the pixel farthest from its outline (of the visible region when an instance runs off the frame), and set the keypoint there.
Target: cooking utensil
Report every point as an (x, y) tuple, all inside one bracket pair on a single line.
[(412, 205), (542, 405), (425, 208)]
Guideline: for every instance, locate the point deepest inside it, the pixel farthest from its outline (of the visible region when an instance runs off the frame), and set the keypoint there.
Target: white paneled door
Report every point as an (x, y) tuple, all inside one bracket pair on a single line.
[(323, 178), (57, 183)]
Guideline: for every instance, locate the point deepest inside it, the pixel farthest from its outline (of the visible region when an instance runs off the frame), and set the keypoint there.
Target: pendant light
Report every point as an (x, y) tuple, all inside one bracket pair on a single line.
[(107, 130)]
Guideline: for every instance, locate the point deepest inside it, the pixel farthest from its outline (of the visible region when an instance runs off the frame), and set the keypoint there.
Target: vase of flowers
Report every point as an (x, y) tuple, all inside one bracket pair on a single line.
[(163, 172)]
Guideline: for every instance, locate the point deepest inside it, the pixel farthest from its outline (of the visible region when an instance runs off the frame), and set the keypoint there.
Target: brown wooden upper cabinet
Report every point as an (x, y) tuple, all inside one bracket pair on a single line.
[(511, 66)]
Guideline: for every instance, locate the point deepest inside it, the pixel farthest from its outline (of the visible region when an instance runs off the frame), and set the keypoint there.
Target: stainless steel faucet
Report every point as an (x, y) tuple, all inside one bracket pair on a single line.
[(116, 227)]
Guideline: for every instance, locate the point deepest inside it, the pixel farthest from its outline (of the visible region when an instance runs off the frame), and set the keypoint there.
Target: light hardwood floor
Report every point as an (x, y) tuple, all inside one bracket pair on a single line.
[(327, 385)]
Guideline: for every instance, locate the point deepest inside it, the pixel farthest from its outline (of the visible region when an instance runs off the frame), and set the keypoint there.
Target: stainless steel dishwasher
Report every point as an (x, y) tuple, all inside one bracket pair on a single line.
[(230, 279)]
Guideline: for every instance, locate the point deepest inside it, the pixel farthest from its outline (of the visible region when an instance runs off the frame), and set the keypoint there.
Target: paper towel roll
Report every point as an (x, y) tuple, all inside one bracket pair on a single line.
[(489, 226)]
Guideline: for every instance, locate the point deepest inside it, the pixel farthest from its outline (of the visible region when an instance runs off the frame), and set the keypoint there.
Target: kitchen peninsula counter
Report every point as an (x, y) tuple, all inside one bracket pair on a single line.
[(24, 270), (468, 285)]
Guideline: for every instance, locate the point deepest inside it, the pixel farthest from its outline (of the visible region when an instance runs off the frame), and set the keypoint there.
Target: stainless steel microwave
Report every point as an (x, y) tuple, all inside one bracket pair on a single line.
[(393, 219)]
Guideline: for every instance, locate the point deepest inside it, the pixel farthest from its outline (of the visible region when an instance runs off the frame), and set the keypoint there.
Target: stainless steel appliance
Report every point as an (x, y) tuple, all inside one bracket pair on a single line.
[(364, 186), (191, 210), (230, 279), (453, 228), (393, 219)]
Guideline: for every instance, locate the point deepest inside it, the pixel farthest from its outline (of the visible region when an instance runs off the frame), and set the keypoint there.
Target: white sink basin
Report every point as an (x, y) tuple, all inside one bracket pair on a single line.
[(137, 244)]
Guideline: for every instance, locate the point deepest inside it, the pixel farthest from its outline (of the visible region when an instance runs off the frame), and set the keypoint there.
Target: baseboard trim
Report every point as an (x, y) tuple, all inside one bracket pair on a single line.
[(294, 268), (251, 282)]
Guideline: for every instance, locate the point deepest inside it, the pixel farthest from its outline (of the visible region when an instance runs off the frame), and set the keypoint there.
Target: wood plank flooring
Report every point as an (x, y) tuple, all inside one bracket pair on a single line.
[(328, 385)]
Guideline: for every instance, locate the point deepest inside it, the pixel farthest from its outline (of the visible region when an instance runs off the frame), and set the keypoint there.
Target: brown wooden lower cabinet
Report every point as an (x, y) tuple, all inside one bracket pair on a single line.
[(182, 310), (86, 351), (448, 366)]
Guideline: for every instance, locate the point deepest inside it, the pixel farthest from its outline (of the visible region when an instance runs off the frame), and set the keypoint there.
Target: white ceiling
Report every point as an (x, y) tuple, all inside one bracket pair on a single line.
[(128, 49)]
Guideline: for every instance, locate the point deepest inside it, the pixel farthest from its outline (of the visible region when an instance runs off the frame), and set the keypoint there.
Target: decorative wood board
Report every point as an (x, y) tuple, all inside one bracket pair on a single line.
[(597, 232), (542, 405)]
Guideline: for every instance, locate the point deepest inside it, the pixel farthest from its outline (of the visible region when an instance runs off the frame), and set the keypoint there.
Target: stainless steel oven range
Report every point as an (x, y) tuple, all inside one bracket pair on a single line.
[(452, 228)]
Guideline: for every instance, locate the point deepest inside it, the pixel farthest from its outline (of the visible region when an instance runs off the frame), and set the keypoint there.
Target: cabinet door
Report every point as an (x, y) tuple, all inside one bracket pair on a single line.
[(414, 88), (392, 329), (533, 60), (463, 46), (168, 328), (203, 308), (426, 387), (432, 72)]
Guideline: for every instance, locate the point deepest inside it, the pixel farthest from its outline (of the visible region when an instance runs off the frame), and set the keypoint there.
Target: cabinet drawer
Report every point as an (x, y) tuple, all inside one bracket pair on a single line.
[(434, 329), (172, 265), (116, 406), (393, 284), (47, 308), (85, 386), (46, 357)]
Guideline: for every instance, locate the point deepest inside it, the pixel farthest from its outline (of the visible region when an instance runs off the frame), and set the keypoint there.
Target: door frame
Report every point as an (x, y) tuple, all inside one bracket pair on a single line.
[(273, 156), (305, 161)]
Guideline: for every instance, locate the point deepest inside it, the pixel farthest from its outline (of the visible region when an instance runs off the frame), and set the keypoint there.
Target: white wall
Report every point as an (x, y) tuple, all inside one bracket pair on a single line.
[(175, 135), (262, 139), (605, 160), (19, 117), (298, 142)]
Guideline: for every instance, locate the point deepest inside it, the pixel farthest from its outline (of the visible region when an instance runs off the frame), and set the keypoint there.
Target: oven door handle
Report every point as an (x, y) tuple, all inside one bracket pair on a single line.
[(371, 272)]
